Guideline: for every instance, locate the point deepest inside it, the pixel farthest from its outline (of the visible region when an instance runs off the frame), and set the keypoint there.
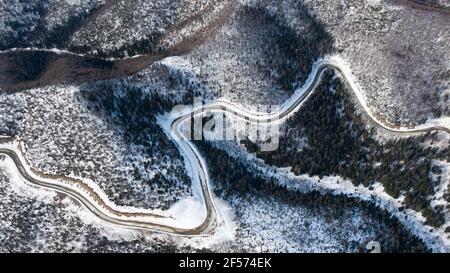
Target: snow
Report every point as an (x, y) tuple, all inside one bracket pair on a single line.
[(189, 211)]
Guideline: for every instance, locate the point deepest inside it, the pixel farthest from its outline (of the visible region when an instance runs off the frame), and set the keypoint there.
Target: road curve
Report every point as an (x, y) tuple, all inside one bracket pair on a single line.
[(146, 220)]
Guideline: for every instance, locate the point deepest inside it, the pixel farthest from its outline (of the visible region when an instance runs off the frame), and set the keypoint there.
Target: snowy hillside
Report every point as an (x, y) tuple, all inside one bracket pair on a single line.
[(93, 157)]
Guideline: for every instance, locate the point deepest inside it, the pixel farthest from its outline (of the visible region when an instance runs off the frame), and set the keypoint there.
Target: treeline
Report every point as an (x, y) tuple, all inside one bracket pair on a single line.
[(338, 143)]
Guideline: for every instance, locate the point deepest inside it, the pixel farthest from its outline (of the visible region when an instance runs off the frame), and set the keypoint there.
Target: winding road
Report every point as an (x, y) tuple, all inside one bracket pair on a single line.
[(95, 201)]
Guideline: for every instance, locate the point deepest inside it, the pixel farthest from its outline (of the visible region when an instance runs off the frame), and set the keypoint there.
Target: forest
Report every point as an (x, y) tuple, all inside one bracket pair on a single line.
[(339, 143)]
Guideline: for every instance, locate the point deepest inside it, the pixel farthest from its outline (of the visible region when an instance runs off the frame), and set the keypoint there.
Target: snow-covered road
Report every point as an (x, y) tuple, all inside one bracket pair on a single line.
[(91, 197)]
